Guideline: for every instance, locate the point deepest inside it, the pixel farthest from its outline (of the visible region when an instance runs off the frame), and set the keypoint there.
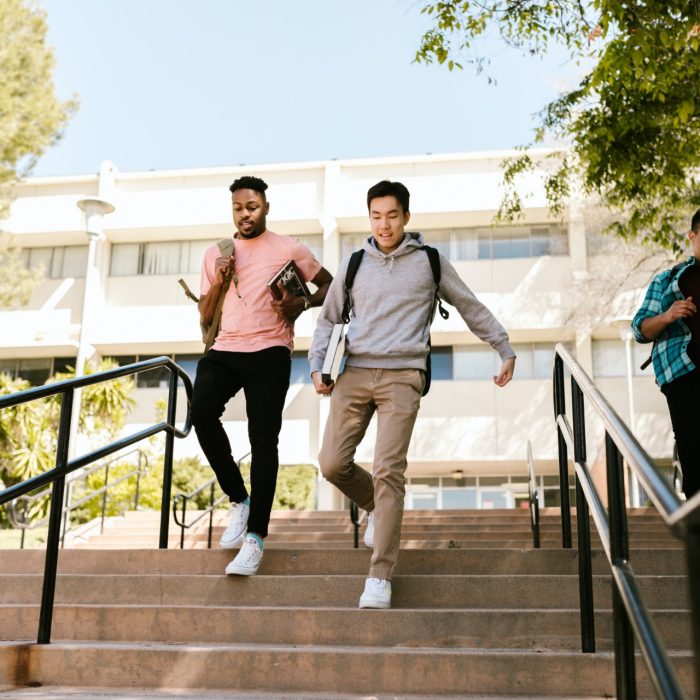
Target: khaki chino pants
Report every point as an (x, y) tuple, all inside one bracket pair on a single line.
[(395, 395)]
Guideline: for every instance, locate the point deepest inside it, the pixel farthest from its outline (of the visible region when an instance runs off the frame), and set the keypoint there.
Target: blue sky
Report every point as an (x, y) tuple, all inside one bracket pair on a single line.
[(197, 83)]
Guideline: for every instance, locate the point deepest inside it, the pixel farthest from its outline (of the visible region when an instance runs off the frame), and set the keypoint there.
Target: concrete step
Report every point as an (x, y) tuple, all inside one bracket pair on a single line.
[(318, 668), (331, 561), (535, 629), (408, 591)]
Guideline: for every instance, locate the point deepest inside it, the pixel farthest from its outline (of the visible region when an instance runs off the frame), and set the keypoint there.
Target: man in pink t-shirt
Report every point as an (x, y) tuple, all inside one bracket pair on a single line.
[(252, 351)]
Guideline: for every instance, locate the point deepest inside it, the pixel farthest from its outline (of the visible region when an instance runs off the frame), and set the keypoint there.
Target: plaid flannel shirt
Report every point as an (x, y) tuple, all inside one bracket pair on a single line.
[(669, 353)]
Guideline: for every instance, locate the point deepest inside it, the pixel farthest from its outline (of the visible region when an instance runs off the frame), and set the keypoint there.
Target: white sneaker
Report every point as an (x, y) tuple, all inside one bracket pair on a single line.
[(377, 594), (369, 530), (248, 559), (238, 521)]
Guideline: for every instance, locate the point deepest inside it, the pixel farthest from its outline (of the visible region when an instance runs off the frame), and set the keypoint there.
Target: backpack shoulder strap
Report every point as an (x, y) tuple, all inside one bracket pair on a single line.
[(225, 246), (353, 264), (434, 258)]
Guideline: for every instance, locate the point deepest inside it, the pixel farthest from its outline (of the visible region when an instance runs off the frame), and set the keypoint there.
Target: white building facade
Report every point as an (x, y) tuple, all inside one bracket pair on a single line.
[(470, 441)]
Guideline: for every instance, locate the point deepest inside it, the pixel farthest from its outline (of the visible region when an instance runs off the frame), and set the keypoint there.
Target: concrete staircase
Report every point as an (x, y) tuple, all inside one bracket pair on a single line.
[(477, 612)]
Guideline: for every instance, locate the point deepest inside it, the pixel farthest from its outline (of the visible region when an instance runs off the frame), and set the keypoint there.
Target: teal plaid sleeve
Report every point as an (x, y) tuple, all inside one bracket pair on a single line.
[(669, 352)]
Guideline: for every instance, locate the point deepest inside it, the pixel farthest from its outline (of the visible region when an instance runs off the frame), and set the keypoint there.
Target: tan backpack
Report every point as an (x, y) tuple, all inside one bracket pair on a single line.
[(209, 332)]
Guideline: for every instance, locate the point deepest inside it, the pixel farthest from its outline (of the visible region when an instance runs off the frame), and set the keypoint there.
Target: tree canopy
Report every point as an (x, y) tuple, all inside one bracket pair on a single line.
[(630, 127), (31, 120), (31, 116)]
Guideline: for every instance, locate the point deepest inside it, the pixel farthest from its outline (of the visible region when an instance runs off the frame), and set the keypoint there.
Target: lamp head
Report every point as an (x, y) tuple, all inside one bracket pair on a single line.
[(95, 209)]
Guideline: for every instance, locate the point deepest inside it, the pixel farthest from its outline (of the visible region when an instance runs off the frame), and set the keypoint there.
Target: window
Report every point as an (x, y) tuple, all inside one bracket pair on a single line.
[(301, 371), (57, 262), (441, 362), (474, 362), (157, 257), (609, 359), (188, 363), (494, 243), (534, 361), (151, 379), (350, 242), (313, 241), (36, 371)]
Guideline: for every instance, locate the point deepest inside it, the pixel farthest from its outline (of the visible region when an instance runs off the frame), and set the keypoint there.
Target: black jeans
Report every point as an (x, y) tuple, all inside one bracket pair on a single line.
[(264, 378), (683, 398)]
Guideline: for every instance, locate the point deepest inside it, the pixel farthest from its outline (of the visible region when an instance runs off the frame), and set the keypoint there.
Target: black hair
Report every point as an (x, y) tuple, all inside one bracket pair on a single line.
[(385, 188), (249, 182), (695, 223)]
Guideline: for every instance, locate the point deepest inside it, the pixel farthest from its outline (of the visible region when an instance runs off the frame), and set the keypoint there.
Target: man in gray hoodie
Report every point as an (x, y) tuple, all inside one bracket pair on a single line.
[(392, 301)]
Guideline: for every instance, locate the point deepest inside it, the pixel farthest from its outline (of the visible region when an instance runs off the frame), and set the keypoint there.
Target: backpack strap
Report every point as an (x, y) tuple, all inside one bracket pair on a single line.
[(434, 258), (225, 246), (353, 264)]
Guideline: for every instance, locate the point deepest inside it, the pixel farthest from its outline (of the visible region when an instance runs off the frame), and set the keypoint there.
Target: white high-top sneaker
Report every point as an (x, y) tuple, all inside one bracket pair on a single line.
[(248, 559), (237, 524), (377, 594)]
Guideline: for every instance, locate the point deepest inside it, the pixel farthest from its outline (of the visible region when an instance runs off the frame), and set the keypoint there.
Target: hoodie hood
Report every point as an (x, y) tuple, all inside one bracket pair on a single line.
[(411, 242)]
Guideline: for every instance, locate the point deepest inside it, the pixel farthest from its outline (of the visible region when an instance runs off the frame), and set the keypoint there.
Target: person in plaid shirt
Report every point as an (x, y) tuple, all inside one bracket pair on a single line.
[(668, 317)]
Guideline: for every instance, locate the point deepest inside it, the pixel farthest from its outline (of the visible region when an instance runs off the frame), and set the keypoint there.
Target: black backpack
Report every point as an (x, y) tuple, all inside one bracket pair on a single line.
[(434, 258)]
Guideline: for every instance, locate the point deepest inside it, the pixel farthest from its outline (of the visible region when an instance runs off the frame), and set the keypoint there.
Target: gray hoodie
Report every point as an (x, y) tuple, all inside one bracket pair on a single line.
[(392, 307)]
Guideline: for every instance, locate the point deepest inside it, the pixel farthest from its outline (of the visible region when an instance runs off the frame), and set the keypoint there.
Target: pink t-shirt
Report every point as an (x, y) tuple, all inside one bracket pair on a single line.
[(248, 321)]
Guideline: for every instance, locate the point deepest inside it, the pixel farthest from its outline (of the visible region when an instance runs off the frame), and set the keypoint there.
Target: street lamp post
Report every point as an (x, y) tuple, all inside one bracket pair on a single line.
[(95, 210), (624, 327)]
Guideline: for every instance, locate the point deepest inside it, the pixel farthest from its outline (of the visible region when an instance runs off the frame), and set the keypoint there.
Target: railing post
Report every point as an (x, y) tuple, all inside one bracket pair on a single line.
[(52, 539), (104, 499), (625, 680), (66, 514), (354, 519), (168, 462), (585, 567), (693, 553), (211, 515), (138, 482), (560, 410)]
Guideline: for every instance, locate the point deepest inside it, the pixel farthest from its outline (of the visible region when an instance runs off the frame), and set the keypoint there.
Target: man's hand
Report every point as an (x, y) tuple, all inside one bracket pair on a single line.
[(654, 326), (223, 268), (681, 309), (289, 307), (506, 373), (321, 388)]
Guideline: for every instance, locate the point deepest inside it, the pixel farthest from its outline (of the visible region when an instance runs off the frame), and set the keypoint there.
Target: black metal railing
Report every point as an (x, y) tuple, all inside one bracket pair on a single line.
[(631, 618), (355, 520), (64, 467), (532, 499), (180, 512), (19, 511)]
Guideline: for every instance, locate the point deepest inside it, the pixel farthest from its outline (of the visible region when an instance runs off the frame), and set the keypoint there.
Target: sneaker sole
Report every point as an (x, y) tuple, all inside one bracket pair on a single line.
[(235, 571), (374, 604)]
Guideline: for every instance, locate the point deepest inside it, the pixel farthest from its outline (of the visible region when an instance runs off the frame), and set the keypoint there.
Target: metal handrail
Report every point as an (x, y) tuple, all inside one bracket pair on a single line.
[(185, 498), (70, 506), (64, 466), (631, 618), (532, 499)]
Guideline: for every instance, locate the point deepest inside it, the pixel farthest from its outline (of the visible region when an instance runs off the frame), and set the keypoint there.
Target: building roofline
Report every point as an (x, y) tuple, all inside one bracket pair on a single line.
[(283, 167)]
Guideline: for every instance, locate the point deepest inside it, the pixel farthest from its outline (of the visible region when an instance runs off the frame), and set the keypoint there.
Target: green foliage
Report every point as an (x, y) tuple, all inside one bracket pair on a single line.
[(31, 118), (296, 488), (29, 431), (16, 282), (633, 121)]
